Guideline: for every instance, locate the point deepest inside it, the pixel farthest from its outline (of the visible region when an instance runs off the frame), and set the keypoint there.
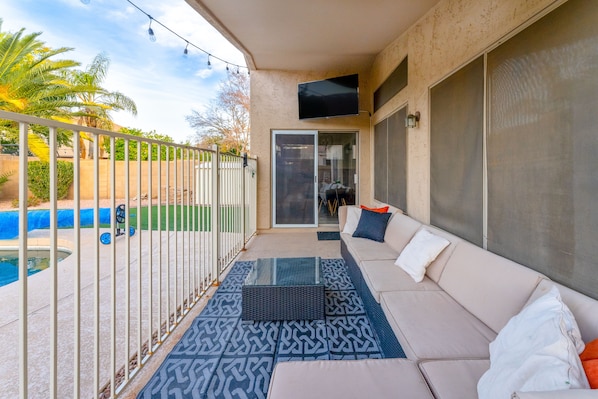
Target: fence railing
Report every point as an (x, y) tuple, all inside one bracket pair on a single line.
[(85, 326)]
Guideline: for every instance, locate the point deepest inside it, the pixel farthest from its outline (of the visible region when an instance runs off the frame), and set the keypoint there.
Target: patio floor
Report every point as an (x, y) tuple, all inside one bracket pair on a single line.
[(280, 244), (222, 356)]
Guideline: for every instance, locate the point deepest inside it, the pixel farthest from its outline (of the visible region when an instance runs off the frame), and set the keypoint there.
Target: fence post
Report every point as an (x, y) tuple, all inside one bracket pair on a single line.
[(215, 214), (243, 202), (23, 297)]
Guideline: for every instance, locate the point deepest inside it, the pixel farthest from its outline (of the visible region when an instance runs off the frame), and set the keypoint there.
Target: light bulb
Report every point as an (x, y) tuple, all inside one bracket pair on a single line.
[(150, 31), (209, 63)]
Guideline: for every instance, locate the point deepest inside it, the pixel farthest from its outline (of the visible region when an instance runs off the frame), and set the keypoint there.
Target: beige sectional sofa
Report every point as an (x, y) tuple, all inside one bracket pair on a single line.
[(444, 324)]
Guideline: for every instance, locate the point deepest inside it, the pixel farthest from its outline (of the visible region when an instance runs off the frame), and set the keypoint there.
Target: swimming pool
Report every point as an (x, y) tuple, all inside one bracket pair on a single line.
[(37, 260)]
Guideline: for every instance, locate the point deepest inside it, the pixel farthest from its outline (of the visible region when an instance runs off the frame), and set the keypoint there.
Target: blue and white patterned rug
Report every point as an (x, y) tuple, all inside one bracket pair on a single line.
[(221, 356)]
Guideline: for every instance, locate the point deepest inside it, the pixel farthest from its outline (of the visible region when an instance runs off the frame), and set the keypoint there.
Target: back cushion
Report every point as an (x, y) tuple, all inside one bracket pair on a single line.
[(399, 231), (491, 287), (342, 217), (434, 271)]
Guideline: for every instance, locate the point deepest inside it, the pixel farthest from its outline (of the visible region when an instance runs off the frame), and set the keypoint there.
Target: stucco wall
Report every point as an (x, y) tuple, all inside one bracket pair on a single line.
[(274, 106), (449, 36)]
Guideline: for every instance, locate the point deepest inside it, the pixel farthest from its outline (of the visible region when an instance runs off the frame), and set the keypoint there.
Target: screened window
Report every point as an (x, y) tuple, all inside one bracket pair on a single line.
[(390, 160), (543, 146), (456, 170)]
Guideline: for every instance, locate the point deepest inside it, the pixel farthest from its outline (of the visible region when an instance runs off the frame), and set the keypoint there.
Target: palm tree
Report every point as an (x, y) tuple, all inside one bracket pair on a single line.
[(31, 82), (96, 102)]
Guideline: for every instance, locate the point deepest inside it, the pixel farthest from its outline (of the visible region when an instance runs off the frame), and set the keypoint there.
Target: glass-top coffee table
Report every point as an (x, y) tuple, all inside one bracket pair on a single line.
[(284, 289)]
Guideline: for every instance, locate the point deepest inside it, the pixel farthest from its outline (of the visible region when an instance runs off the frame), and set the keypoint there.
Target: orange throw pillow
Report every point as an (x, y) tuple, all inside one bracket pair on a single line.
[(589, 360), (383, 209)]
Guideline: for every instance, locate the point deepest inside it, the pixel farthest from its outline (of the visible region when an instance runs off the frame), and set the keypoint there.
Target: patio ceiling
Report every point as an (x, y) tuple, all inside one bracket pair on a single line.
[(311, 35)]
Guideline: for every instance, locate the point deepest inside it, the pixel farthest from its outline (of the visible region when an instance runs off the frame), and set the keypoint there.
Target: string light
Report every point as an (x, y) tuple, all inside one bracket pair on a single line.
[(150, 31), (152, 37)]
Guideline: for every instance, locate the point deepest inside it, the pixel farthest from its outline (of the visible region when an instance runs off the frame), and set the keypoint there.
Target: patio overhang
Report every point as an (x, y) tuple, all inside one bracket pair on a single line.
[(312, 35)]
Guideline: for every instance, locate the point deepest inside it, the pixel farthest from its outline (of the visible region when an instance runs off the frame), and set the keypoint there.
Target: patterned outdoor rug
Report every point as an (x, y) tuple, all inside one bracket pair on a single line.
[(221, 356)]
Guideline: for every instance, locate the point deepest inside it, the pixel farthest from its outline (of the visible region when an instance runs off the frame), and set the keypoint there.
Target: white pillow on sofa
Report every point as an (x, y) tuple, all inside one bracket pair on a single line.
[(423, 248), (353, 216), (536, 351)]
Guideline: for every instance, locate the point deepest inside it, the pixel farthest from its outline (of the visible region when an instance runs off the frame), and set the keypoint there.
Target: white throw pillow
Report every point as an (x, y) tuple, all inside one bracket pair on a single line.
[(423, 248), (535, 352), (353, 216)]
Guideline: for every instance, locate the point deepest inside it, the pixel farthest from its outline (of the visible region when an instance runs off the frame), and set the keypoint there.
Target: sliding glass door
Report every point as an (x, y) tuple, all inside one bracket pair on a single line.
[(294, 178)]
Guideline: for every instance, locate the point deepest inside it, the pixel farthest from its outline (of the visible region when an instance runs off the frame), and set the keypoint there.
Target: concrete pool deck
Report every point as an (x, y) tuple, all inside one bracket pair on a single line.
[(264, 245), (39, 299)]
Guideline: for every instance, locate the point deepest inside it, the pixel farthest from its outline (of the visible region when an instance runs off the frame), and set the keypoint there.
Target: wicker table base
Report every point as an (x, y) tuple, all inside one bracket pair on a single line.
[(284, 289)]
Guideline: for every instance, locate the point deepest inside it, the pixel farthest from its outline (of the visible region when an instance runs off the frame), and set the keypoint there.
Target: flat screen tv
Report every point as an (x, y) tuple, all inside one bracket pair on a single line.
[(330, 97)]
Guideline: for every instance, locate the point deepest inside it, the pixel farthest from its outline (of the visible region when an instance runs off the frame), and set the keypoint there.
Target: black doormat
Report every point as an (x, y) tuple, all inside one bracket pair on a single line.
[(328, 235)]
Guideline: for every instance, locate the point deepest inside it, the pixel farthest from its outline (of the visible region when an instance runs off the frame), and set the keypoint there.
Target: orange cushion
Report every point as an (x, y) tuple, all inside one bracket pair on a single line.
[(383, 209), (589, 360), (591, 369)]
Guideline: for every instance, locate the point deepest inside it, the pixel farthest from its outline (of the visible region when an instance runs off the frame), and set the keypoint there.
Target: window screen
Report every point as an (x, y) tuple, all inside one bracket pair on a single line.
[(381, 161), (392, 85), (456, 169), (543, 146), (390, 160)]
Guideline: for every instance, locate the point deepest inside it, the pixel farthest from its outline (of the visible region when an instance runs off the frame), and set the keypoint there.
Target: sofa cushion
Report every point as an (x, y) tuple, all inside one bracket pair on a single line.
[(382, 209), (383, 275), (422, 250), (584, 308), (491, 287), (454, 379), (399, 231), (371, 378), (567, 394), (432, 325), (363, 249), (589, 360), (372, 225), (434, 271), (353, 214), (535, 351)]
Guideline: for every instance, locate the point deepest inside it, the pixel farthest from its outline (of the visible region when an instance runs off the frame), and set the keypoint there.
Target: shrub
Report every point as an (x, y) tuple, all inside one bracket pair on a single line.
[(4, 178), (31, 201), (39, 179)]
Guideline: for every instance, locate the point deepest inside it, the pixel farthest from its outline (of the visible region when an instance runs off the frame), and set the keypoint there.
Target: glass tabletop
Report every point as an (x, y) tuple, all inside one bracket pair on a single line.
[(285, 272)]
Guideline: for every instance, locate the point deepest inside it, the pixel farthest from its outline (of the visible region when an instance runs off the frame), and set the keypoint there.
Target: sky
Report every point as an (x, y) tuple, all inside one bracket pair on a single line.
[(165, 84)]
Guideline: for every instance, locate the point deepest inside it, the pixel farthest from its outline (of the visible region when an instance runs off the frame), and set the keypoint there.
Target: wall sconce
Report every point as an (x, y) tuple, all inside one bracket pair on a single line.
[(412, 120)]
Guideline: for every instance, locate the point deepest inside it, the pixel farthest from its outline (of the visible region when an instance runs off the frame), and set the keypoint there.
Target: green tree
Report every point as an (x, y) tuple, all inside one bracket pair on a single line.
[(32, 81), (119, 146), (225, 120)]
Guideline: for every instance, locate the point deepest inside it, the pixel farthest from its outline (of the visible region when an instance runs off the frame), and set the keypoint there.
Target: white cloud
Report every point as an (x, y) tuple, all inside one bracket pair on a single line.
[(165, 85)]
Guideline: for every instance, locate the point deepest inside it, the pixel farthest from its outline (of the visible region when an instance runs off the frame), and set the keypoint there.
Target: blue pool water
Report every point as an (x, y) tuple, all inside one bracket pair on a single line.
[(40, 219), (37, 261)]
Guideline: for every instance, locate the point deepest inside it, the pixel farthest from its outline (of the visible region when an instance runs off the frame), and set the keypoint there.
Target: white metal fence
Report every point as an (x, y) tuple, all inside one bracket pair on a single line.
[(84, 326)]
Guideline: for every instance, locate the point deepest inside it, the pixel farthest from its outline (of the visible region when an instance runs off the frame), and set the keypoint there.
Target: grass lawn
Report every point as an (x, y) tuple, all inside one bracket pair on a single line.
[(198, 217)]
